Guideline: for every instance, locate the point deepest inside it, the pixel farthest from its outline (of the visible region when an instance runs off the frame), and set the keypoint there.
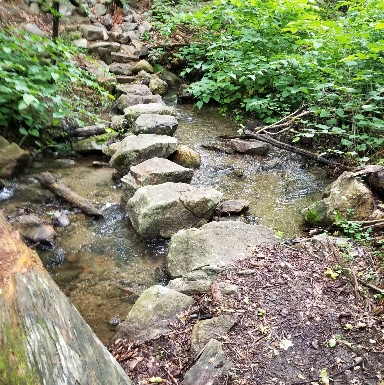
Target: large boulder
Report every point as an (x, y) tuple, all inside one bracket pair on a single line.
[(155, 124), (150, 315), (135, 111), (133, 150), (12, 158), (164, 209), (347, 196), (153, 171), (214, 244)]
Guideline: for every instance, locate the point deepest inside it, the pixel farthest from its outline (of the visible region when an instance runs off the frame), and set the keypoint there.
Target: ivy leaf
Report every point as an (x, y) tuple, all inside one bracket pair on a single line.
[(23, 131), (30, 99), (55, 76), (34, 132)]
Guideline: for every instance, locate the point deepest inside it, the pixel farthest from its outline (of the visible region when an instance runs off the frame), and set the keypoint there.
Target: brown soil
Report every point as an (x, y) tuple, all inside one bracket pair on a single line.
[(289, 314)]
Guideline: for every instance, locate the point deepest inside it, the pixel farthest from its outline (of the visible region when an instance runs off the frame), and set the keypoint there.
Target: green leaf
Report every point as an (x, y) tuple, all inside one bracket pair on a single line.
[(23, 131), (34, 132), (346, 142), (324, 113), (55, 76), (29, 99)]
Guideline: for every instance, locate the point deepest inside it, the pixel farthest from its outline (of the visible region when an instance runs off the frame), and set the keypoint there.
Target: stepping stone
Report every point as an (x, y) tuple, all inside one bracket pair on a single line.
[(123, 58), (110, 46), (151, 172), (125, 101), (164, 209), (92, 32), (253, 147), (136, 89), (155, 124), (133, 150), (135, 111)]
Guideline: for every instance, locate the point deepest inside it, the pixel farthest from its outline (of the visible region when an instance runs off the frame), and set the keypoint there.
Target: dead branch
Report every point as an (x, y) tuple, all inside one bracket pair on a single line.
[(372, 287)]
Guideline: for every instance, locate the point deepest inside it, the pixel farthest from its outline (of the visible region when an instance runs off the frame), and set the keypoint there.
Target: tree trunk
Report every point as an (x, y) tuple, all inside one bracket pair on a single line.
[(48, 181), (56, 19), (43, 338)]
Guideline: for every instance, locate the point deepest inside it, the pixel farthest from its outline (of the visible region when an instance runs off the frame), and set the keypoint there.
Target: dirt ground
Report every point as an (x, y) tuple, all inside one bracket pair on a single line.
[(297, 324)]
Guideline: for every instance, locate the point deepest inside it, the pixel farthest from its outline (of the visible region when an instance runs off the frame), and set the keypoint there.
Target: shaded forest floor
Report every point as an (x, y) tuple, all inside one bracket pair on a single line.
[(295, 323)]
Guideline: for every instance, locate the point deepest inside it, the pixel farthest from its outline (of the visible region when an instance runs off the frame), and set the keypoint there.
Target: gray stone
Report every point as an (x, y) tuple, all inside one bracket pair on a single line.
[(133, 150), (153, 171), (126, 27), (121, 37), (94, 143), (233, 206), (82, 10), (110, 149), (12, 158), (133, 35), (32, 228), (92, 32), (185, 156), (135, 89), (185, 286), (172, 80), (108, 21), (81, 43), (155, 124), (33, 29), (128, 49), (164, 209), (214, 244), (122, 79), (125, 101), (123, 58), (204, 330), (254, 147), (118, 122), (143, 65), (348, 196), (135, 111), (110, 46), (156, 85), (151, 314), (210, 366), (34, 8), (128, 18), (375, 181), (100, 9), (144, 27), (66, 9), (120, 69)]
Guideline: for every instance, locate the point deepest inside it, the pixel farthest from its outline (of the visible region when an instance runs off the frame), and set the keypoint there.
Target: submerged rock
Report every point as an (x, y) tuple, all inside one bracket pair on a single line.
[(164, 209), (253, 147), (215, 244)]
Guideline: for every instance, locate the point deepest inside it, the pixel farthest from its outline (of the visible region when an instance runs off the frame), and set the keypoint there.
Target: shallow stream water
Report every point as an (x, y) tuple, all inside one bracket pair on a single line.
[(102, 265)]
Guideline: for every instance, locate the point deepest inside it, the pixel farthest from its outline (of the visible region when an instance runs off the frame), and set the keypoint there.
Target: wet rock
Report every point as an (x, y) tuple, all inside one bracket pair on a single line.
[(186, 157), (143, 65), (94, 143), (33, 29), (153, 171), (92, 32), (347, 196), (218, 146), (210, 366), (135, 111), (151, 314), (2, 183), (204, 330), (125, 101), (253, 147), (188, 287), (164, 209), (114, 322), (12, 158), (157, 86), (135, 149), (233, 206), (33, 194), (214, 244), (272, 164), (155, 124), (32, 228), (60, 219)]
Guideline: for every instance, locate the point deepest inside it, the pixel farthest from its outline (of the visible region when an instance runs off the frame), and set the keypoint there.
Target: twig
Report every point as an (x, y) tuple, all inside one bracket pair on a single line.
[(170, 376), (372, 287)]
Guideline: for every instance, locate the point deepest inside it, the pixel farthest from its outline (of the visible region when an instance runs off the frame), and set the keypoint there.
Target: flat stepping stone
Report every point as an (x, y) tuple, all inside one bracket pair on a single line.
[(153, 171), (123, 58), (253, 147), (135, 89), (111, 47), (164, 209), (155, 124), (215, 244), (128, 100), (135, 111), (93, 32), (233, 206), (133, 150)]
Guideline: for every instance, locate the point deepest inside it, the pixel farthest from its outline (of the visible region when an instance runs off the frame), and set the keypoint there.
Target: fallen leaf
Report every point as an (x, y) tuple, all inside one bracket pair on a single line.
[(285, 344), (155, 380)]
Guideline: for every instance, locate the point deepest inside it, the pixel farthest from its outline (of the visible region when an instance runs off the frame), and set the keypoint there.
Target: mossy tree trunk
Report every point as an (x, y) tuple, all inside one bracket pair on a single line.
[(43, 339)]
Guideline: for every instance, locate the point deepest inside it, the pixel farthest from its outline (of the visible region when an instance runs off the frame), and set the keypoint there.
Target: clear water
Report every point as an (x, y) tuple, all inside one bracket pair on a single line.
[(103, 265)]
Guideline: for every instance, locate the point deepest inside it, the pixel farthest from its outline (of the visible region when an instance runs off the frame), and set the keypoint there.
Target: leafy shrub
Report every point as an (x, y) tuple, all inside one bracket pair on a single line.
[(270, 57), (38, 77)]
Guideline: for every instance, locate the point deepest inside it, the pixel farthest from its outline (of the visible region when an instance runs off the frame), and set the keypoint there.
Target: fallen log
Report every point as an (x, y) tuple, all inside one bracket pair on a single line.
[(267, 139), (48, 181), (43, 338), (89, 131)]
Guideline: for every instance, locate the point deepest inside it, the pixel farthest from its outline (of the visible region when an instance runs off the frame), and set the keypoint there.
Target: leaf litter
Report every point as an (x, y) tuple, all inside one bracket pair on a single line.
[(296, 323)]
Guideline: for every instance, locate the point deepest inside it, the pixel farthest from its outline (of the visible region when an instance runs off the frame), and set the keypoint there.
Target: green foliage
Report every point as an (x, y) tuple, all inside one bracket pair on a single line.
[(350, 228), (270, 57), (38, 77), (312, 217)]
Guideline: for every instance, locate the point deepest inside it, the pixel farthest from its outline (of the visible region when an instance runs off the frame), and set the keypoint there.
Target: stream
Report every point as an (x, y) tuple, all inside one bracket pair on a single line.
[(103, 265)]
